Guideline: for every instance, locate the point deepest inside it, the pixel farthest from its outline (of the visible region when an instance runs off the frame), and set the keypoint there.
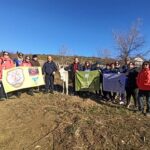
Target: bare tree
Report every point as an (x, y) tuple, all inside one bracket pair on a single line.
[(104, 53), (130, 42), (63, 52)]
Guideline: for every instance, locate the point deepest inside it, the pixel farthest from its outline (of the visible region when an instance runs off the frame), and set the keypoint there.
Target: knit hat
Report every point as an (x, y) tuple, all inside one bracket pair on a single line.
[(5, 53), (34, 56)]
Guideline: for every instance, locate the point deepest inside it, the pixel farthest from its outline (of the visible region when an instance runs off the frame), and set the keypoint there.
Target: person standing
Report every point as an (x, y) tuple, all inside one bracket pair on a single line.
[(18, 61), (5, 63), (74, 67), (34, 61), (97, 66), (106, 94), (49, 69), (117, 65), (114, 68), (131, 86), (87, 66), (124, 70), (143, 82), (125, 67), (27, 63)]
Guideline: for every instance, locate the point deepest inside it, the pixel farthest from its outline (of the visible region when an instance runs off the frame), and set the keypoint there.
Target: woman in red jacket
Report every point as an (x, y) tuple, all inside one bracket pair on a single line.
[(27, 63), (5, 63), (143, 82)]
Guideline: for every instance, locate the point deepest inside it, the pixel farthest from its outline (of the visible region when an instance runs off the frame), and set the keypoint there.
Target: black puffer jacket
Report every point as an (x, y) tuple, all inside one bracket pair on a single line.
[(131, 78), (49, 68)]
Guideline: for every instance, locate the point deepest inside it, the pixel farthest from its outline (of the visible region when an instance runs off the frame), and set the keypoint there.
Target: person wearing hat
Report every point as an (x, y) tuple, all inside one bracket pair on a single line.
[(35, 61), (18, 61), (5, 63)]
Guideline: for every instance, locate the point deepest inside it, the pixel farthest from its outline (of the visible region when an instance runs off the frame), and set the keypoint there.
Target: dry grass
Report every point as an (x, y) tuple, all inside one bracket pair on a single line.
[(60, 122)]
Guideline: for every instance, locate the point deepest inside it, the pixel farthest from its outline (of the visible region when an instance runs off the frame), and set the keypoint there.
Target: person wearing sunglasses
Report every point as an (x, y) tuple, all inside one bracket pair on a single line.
[(5, 63), (27, 63), (18, 61), (143, 82)]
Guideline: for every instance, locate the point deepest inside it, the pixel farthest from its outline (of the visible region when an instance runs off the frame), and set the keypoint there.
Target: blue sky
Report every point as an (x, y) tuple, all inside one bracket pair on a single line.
[(83, 26)]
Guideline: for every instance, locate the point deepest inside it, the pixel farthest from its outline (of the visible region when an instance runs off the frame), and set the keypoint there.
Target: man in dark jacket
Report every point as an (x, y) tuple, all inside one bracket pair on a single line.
[(49, 69)]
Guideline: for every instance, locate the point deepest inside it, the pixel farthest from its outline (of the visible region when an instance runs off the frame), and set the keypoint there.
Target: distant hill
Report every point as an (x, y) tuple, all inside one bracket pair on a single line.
[(69, 59)]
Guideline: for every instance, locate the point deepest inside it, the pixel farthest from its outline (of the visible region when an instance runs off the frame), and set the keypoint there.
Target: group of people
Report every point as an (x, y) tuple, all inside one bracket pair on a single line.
[(137, 85), (49, 68), (137, 78)]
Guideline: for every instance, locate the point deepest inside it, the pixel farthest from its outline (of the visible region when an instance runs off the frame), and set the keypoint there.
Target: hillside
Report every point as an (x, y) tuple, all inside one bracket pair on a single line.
[(60, 122), (67, 59)]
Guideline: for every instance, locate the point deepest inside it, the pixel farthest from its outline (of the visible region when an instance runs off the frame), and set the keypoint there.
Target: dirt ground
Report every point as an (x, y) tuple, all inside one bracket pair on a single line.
[(60, 122)]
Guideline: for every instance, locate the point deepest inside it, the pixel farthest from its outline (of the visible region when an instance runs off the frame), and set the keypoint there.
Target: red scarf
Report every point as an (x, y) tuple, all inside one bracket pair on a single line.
[(75, 67)]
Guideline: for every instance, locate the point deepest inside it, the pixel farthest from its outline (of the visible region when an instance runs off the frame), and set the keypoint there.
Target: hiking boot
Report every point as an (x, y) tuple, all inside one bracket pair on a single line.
[(36, 91), (45, 92), (30, 93), (51, 91), (135, 108), (11, 96), (140, 112), (2, 99), (18, 94)]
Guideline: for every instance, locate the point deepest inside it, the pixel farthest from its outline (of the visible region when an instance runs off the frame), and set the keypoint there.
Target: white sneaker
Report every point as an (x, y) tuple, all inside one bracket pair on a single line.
[(128, 106), (121, 103)]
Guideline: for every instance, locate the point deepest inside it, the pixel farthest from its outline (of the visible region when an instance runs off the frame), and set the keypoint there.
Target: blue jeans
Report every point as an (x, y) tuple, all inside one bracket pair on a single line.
[(141, 96)]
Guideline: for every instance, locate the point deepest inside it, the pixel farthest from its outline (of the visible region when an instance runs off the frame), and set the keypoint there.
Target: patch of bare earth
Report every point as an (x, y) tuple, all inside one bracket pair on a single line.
[(60, 122)]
